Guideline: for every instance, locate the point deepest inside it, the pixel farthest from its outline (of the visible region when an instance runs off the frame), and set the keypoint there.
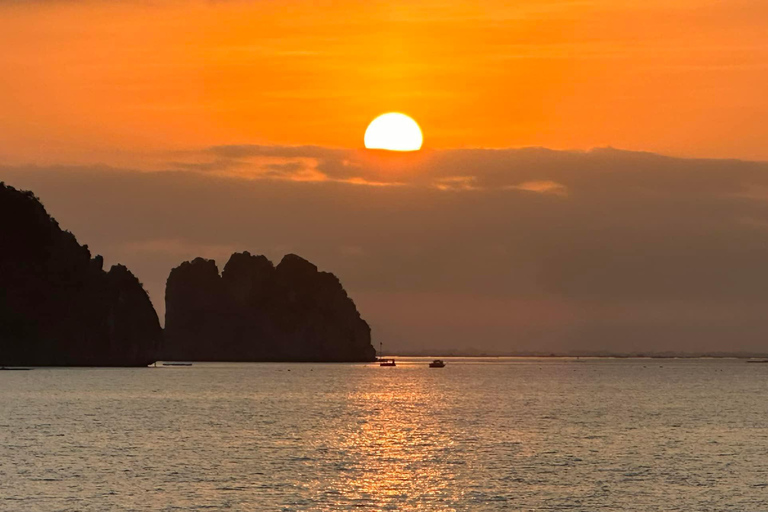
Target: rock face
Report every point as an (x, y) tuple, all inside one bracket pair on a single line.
[(255, 311), (58, 307)]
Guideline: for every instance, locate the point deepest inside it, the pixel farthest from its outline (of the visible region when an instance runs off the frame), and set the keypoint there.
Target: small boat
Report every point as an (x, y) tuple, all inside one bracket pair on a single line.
[(177, 364), (381, 360), (757, 361), (14, 369), (437, 363)]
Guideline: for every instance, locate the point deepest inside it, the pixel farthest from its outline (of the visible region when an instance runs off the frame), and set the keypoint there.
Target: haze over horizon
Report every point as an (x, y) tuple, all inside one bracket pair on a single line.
[(161, 131), (480, 250)]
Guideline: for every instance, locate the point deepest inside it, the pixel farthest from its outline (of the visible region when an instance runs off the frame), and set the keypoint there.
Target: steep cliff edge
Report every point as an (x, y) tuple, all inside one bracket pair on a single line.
[(58, 307), (255, 311)]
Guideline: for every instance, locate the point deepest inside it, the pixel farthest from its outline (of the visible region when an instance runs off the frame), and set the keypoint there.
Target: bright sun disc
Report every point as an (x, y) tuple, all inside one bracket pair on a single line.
[(395, 132)]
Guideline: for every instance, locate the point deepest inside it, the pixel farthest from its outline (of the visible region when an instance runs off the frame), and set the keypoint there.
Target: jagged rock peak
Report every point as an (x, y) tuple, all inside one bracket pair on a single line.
[(255, 311), (57, 305), (245, 265), (199, 266), (296, 264)]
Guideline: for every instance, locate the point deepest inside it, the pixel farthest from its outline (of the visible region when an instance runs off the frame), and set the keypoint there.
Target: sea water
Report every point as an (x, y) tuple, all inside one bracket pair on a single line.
[(477, 435)]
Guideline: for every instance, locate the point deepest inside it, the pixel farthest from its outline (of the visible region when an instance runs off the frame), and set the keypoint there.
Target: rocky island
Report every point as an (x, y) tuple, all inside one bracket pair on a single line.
[(256, 311), (58, 307)]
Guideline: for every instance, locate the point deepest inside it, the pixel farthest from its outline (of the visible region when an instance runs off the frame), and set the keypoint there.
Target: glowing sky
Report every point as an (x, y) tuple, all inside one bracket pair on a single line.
[(162, 130), (99, 80)]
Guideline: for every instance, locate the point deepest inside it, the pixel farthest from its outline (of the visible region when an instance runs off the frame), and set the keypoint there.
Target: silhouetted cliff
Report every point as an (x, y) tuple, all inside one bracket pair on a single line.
[(255, 311), (58, 307)]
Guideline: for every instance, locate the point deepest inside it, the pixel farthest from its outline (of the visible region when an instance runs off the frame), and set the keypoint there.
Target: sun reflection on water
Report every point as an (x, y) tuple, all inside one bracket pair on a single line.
[(405, 445), (479, 436), (400, 449)]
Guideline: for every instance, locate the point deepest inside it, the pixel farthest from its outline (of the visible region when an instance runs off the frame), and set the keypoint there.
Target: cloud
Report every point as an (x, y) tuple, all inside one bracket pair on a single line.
[(457, 183), (456, 170), (287, 163), (527, 249), (541, 187)]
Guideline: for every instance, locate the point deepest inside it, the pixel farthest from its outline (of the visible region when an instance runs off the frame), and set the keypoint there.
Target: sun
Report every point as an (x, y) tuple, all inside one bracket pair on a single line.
[(394, 132)]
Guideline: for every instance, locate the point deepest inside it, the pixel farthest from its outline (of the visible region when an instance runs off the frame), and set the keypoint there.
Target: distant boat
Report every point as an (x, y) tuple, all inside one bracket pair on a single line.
[(177, 364), (381, 360), (757, 361), (437, 363), (14, 369)]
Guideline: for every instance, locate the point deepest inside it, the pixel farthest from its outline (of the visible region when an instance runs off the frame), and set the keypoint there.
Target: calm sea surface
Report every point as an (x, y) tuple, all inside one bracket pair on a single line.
[(500, 434)]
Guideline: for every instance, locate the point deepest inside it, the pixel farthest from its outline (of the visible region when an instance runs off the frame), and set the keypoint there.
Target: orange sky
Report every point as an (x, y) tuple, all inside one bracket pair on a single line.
[(103, 81)]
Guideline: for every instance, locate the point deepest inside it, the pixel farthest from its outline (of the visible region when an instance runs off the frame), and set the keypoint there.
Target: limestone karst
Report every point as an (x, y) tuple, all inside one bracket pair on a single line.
[(58, 307), (255, 311)]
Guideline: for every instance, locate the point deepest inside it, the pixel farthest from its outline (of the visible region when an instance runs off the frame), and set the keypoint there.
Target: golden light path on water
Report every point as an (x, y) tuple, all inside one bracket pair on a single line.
[(397, 445), (401, 453)]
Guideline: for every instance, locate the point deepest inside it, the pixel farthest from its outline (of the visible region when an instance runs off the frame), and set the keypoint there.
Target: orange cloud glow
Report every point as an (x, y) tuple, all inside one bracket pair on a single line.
[(542, 187)]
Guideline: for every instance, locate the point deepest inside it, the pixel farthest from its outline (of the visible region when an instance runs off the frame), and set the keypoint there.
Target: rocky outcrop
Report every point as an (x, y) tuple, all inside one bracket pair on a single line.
[(58, 307), (255, 311)]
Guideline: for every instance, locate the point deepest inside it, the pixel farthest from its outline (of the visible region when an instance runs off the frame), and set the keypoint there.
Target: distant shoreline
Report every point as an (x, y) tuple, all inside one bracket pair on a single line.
[(592, 355)]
